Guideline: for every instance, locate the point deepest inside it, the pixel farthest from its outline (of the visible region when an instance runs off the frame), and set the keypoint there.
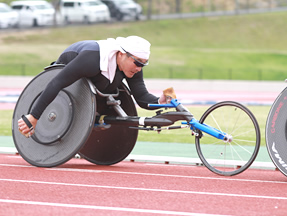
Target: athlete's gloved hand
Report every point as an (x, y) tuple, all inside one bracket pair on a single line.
[(167, 95)]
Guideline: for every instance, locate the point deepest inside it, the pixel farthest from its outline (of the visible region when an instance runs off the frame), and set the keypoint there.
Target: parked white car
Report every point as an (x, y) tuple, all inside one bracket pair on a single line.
[(124, 8), (34, 13), (85, 11), (8, 17)]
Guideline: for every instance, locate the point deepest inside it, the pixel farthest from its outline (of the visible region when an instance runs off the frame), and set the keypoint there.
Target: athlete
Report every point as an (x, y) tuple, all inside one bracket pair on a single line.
[(106, 63)]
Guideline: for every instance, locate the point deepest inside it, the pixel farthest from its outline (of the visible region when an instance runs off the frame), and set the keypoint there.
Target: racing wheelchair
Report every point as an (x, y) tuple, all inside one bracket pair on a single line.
[(227, 136)]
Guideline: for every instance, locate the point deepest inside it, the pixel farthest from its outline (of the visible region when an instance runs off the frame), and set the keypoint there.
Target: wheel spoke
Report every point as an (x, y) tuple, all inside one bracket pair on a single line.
[(216, 123)]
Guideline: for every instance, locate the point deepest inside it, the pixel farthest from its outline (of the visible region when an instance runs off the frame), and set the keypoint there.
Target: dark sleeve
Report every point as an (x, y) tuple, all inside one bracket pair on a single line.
[(140, 93), (83, 65)]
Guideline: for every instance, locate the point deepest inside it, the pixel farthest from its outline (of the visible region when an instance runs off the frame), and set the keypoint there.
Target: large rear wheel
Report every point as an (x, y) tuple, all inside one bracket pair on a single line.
[(276, 132)]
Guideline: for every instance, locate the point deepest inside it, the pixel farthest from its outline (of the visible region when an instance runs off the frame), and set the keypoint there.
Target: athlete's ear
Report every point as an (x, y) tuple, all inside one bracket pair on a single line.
[(122, 54)]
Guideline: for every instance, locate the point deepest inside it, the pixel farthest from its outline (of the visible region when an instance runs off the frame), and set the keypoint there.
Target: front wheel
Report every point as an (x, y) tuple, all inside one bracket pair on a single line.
[(238, 153)]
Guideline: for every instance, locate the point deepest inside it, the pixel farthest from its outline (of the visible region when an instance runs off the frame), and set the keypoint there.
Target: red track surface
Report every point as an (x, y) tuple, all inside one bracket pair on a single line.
[(128, 188)]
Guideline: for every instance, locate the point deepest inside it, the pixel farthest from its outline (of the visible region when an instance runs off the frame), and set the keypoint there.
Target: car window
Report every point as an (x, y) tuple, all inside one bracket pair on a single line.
[(17, 7), (68, 4), (92, 3), (122, 2), (42, 6), (109, 3), (4, 8)]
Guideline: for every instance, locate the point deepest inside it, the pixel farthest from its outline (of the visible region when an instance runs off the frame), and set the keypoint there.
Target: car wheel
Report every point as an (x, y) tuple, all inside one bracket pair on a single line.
[(35, 23), (119, 16), (86, 20), (66, 20)]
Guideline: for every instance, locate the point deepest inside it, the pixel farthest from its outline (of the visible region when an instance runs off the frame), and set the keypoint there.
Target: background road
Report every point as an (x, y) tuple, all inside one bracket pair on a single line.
[(188, 91)]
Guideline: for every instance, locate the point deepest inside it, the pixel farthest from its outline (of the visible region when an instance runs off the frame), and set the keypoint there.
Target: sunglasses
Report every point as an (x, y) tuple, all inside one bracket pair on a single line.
[(136, 62)]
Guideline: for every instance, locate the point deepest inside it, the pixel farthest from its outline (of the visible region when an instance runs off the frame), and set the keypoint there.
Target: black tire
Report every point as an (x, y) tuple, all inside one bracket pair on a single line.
[(56, 140), (113, 145), (119, 16), (67, 20), (232, 157), (86, 20), (35, 23), (275, 132)]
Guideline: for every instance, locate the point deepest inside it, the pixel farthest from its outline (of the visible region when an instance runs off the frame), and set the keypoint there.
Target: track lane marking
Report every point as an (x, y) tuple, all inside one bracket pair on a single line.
[(105, 208), (146, 189), (147, 174)]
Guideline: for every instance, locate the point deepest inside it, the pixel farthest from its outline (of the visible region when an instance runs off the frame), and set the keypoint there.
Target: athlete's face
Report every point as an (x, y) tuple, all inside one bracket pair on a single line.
[(130, 64)]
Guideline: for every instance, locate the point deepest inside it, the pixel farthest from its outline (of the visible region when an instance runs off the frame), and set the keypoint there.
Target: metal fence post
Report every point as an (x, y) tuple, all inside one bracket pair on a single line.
[(259, 74), (23, 69), (170, 72), (230, 73), (200, 73), (149, 9)]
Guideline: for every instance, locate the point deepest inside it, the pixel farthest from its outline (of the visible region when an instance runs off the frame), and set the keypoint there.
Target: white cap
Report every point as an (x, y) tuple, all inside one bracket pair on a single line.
[(134, 45)]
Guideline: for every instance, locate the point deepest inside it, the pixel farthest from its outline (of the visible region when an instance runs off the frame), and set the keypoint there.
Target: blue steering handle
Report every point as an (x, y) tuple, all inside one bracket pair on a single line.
[(173, 103)]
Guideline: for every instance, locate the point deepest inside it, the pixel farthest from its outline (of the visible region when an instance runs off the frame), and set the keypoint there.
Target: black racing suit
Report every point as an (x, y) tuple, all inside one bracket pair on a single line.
[(82, 59)]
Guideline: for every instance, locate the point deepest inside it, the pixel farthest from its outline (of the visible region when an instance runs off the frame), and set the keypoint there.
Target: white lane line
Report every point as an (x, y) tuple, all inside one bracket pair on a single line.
[(148, 174), (104, 208), (146, 189), (166, 175)]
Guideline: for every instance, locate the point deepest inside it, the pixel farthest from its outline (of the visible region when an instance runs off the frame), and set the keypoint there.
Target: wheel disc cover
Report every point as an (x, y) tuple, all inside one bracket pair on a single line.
[(73, 134), (55, 120), (276, 131)]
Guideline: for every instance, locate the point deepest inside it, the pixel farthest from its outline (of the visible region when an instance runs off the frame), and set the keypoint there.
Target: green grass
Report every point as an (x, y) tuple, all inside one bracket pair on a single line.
[(5, 123), (246, 47), (172, 136)]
